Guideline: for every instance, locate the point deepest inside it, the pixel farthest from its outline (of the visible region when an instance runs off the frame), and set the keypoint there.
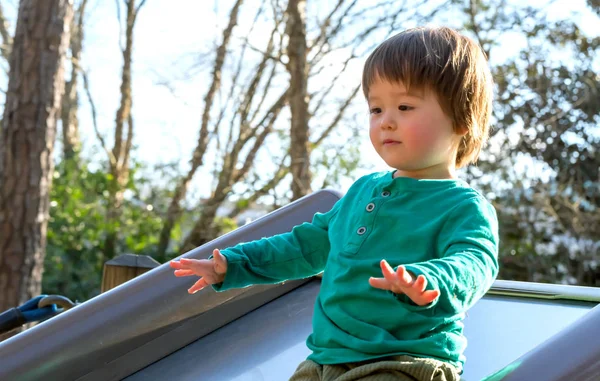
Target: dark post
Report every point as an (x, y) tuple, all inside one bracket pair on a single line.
[(124, 268)]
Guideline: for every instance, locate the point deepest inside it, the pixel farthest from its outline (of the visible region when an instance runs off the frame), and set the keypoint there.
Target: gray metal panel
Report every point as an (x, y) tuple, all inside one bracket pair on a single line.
[(545, 291), (501, 329), (88, 341), (573, 355), (268, 343)]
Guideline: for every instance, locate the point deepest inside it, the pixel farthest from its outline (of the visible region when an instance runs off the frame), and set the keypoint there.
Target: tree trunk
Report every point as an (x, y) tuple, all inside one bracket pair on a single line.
[(35, 88), (119, 159), (70, 104), (298, 68)]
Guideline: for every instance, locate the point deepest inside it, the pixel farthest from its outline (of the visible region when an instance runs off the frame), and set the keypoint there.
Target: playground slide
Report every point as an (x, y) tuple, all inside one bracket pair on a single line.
[(513, 320), (146, 329), (131, 326)]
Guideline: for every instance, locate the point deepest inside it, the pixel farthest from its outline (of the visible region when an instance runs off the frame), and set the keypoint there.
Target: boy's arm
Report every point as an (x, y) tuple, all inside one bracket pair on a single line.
[(298, 254), (470, 262)]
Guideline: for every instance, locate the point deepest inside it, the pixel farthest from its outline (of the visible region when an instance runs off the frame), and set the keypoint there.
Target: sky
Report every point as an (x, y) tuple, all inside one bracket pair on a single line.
[(168, 38)]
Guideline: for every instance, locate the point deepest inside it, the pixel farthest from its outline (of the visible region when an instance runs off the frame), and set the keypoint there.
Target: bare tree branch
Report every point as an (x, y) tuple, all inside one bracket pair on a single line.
[(278, 21), (258, 75), (334, 81), (141, 4), (120, 170), (338, 116), (272, 114), (472, 11), (389, 20), (230, 158), (237, 75), (204, 227), (228, 175), (7, 40), (174, 210), (342, 21), (236, 78), (70, 102), (117, 4), (271, 57), (279, 174), (215, 85), (325, 24), (86, 86)]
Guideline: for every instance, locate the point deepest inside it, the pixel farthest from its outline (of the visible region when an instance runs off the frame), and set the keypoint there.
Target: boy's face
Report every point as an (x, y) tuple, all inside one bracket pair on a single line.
[(411, 132)]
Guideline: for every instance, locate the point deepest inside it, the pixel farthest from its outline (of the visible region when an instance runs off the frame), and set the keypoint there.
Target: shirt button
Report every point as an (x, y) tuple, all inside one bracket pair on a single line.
[(385, 193), (370, 207), (362, 230)]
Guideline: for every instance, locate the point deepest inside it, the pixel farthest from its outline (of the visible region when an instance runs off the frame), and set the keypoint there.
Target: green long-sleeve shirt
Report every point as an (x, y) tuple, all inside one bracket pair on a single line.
[(442, 229)]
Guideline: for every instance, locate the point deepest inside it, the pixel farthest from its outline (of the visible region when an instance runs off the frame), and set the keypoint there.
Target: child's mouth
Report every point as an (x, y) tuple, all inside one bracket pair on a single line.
[(389, 142)]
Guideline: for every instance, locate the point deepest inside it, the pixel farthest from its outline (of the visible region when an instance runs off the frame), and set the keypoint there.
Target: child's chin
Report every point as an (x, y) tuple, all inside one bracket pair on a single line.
[(400, 166)]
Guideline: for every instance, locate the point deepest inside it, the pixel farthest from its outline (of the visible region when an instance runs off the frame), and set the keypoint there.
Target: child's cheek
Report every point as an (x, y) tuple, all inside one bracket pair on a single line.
[(421, 138)]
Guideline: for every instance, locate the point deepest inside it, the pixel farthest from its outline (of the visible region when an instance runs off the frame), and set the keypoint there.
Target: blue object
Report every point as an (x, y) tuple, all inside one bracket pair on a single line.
[(27, 313), (32, 312)]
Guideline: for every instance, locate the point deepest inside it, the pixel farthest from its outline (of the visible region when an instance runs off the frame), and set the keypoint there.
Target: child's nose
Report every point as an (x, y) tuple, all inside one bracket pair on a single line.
[(388, 122)]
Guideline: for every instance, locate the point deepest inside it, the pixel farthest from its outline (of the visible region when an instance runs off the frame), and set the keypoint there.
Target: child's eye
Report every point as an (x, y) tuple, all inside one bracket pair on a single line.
[(375, 110), (404, 108)]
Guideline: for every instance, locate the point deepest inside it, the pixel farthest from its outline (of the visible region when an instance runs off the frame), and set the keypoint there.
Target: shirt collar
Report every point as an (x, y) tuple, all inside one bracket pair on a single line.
[(389, 183)]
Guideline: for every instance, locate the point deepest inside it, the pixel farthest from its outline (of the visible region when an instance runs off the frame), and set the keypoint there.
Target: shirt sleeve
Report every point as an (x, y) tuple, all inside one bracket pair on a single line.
[(469, 265), (298, 254)]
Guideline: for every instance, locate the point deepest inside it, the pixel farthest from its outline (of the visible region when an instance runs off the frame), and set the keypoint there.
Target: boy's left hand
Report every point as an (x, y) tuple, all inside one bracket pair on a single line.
[(403, 282)]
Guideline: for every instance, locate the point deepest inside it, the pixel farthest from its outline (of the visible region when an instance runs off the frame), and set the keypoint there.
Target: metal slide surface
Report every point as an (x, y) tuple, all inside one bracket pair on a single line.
[(268, 343), (131, 326)]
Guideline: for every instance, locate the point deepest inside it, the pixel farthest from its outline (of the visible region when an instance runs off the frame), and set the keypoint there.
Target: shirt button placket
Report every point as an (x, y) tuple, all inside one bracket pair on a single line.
[(369, 208)]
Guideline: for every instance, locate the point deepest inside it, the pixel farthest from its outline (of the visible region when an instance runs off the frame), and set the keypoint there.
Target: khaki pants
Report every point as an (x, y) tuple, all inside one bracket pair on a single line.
[(396, 368)]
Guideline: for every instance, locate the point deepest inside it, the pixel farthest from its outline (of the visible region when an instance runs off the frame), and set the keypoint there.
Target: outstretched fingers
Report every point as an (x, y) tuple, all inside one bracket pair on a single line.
[(177, 264), (404, 277), (220, 262), (388, 272), (183, 264), (183, 272), (199, 285), (380, 283), (420, 284), (401, 281), (428, 297)]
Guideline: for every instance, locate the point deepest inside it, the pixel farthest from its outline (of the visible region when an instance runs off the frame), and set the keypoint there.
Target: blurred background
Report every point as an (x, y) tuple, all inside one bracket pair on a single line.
[(153, 126)]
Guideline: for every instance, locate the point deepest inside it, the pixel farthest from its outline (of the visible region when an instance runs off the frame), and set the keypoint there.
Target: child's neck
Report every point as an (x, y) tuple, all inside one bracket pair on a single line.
[(442, 172)]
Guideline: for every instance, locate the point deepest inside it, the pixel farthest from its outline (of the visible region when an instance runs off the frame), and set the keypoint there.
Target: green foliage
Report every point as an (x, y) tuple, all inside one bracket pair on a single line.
[(334, 162), (242, 203), (73, 263), (548, 103), (224, 225), (77, 227)]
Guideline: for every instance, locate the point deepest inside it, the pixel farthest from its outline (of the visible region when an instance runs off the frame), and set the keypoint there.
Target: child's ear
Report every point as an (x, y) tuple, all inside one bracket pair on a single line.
[(462, 131)]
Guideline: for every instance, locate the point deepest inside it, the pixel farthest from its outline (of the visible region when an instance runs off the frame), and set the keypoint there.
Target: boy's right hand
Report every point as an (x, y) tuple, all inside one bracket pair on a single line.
[(211, 271)]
